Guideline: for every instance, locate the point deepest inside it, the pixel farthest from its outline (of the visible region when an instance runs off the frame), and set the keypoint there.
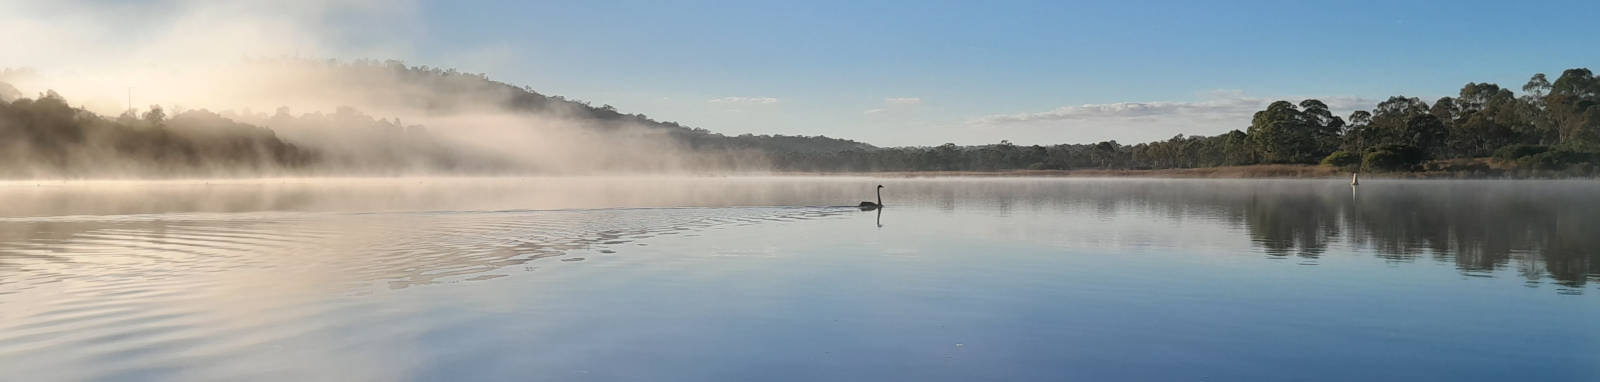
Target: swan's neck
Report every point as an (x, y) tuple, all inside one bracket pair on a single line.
[(880, 196)]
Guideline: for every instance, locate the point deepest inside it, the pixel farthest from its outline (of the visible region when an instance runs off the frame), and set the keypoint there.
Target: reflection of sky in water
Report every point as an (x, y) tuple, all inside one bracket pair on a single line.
[(992, 279)]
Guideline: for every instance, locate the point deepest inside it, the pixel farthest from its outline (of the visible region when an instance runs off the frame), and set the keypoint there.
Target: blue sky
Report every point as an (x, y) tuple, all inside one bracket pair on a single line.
[(928, 72)]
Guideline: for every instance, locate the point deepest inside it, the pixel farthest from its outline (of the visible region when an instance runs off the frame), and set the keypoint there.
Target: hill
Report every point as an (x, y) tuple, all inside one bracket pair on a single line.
[(460, 123)]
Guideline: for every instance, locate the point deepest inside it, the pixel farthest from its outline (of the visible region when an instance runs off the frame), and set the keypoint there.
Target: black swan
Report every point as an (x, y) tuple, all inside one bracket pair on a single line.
[(872, 206)]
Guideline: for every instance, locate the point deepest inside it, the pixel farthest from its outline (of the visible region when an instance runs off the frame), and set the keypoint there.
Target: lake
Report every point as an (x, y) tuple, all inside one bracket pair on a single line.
[(768, 278)]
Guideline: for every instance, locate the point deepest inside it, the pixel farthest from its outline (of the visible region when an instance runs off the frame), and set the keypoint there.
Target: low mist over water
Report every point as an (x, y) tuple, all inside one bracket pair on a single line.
[(783, 278)]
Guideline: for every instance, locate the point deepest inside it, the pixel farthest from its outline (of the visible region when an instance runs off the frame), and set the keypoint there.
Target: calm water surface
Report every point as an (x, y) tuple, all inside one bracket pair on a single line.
[(694, 279)]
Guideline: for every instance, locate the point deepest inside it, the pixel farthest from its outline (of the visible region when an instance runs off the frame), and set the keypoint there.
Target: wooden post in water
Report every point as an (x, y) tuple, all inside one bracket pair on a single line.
[(1355, 179)]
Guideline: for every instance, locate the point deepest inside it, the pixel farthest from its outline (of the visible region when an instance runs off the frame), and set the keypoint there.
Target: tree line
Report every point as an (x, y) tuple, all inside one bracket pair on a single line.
[(46, 137), (1552, 127)]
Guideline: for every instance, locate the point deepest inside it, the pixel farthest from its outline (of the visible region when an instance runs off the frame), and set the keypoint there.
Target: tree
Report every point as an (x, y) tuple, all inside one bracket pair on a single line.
[(1445, 109), (1427, 133), (1326, 127), (1537, 86), (1237, 149), (1392, 158), (155, 116), (1485, 117), (1359, 134), (1341, 159), (9, 93), (1391, 122), (1574, 107), (1284, 133)]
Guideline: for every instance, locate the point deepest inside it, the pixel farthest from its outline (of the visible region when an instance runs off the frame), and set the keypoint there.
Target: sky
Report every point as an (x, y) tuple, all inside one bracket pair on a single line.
[(890, 73)]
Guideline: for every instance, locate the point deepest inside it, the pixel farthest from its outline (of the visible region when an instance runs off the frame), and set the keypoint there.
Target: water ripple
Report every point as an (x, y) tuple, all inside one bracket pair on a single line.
[(107, 286)]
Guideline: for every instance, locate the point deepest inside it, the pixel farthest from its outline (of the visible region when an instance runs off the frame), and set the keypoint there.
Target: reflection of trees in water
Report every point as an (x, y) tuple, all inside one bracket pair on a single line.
[(1285, 223), (1540, 232), (1537, 229)]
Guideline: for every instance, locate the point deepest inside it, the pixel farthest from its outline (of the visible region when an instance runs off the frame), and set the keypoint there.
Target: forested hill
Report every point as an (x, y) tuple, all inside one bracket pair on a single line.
[(1552, 127), (448, 90), (45, 136)]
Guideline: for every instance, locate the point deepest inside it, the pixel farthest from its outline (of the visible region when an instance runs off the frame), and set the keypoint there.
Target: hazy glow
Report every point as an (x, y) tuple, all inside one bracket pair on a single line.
[(227, 58)]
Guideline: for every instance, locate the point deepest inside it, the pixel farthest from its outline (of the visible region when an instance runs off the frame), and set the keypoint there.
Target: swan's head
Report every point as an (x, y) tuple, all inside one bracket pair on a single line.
[(880, 186)]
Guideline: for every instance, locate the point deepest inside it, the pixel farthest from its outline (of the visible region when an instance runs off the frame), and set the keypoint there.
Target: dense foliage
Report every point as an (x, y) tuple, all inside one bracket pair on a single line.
[(46, 136), (1551, 127)]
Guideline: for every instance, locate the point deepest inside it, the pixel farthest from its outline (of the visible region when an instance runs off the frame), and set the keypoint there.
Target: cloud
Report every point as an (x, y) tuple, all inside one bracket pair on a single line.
[(1234, 106), (86, 33), (745, 100), (895, 104), (184, 51), (1214, 112)]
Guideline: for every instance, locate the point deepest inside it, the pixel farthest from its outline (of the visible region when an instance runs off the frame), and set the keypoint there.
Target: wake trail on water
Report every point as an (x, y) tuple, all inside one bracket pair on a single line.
[(105, 284), (398, 248)]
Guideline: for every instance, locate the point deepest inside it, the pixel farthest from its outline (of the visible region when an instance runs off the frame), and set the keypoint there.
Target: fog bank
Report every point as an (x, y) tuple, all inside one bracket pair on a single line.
[(242, 61)]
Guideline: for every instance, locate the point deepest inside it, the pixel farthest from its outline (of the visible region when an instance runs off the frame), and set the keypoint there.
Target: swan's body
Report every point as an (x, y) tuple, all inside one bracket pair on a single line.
[(872, 206)]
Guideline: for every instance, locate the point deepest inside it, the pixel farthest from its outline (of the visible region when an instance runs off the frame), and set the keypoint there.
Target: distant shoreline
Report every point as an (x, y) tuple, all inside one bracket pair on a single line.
[(1252, 171), (1267, 171)]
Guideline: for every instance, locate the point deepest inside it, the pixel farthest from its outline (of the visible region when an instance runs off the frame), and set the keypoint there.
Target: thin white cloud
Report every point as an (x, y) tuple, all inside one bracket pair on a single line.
[(1213, 113), (895, 104), (1237, 107), (744, 100)]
